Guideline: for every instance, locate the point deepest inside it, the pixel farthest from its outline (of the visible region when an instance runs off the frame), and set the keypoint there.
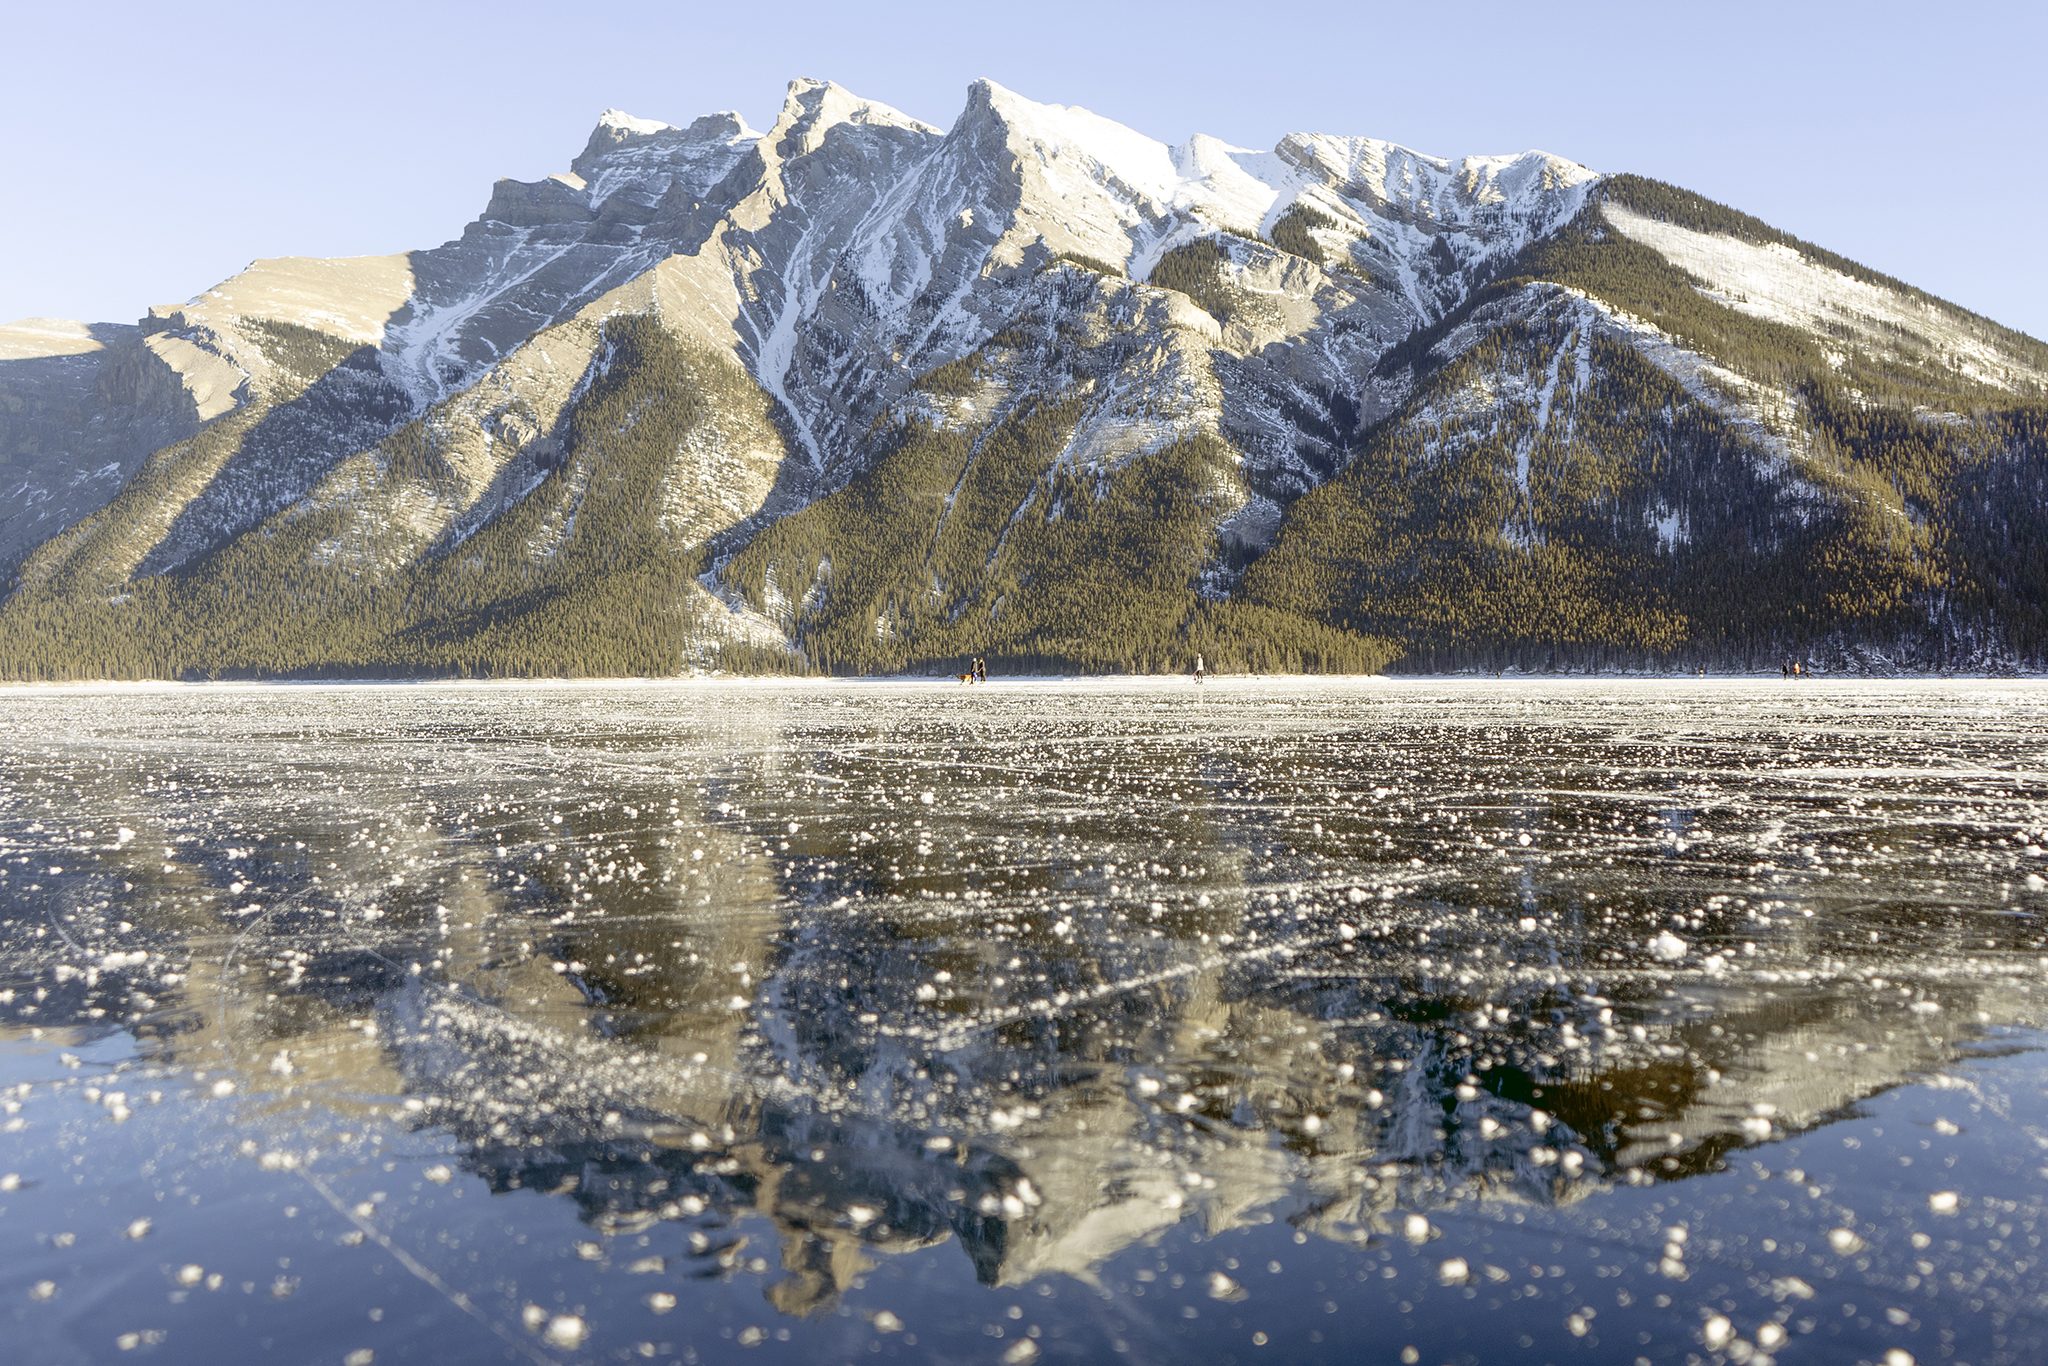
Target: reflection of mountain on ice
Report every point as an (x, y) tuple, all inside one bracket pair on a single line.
[(721, 958)]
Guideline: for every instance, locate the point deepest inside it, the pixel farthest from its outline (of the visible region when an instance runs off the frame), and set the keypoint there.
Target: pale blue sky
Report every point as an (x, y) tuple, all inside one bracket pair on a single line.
[(150, 150)]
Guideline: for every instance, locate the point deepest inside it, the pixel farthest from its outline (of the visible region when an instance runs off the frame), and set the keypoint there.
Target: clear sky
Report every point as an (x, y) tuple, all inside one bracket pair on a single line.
[(152, 149)]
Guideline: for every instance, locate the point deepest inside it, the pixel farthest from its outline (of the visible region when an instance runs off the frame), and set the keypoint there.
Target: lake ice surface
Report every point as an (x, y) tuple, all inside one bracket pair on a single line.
[(1290, 1020)]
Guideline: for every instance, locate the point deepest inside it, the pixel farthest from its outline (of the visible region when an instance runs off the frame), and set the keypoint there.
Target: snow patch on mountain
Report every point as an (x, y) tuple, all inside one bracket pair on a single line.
[(1778, 283)]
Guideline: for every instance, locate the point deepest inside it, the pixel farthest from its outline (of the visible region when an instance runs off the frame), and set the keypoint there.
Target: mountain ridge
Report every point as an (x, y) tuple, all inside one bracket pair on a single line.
[(1038, 352)]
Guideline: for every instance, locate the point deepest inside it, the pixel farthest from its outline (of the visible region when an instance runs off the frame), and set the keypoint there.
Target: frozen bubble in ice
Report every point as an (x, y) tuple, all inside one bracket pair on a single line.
[(1221, 1287), (661, 1301), (1942, 1202), (566, 1330), (139, 1228), (1791, 1288), (927, 798), (1717, 1332), (1024, 1351), (1453, 1271), (1667, 947), (440, 1174), (1415, 1228), (191, 1274), (886, 1322), (1844, 1241)]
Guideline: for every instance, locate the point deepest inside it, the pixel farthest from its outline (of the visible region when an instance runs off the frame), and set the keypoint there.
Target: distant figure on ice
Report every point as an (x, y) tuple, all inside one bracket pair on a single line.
[(980, 669), (1200, 672)]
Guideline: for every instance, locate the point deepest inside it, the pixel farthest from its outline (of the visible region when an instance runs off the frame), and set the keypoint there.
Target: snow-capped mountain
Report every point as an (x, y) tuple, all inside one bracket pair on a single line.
[(861, 392)]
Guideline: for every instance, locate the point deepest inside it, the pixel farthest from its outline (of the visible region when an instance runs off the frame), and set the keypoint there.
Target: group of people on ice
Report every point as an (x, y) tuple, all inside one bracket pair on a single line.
[(977, 670)]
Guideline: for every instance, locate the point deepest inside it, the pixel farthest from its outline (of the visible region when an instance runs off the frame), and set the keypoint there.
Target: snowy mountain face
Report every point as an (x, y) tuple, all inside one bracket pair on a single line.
[(1372, 400)]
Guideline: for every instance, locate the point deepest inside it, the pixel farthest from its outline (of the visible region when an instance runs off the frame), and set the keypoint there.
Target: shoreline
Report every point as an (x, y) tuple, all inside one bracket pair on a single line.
[(1104, 682)]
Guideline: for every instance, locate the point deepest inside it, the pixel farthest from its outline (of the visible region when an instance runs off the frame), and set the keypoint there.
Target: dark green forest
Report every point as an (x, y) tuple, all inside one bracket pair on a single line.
[(950, 547)]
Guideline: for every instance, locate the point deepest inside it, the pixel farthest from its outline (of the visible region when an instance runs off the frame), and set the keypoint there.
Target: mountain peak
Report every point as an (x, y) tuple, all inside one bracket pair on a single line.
[(617, 129), (811, 108), (1142, 163), (1521, 172), (986, 94), (626, 124)]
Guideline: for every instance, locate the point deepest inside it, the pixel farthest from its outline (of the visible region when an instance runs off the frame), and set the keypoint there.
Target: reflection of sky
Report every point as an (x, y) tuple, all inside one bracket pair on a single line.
[(686, 957)]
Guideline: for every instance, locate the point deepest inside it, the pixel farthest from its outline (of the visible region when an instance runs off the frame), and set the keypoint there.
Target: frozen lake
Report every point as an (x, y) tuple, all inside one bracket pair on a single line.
[(1288, 1021)]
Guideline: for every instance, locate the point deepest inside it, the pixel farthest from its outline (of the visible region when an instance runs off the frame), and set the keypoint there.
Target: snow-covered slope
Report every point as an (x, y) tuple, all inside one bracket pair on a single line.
[(859, 271), (851, 247), (1777, 282)]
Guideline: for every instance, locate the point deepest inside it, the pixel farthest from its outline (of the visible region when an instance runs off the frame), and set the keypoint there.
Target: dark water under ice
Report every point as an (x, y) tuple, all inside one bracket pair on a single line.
[(1265, 1022)]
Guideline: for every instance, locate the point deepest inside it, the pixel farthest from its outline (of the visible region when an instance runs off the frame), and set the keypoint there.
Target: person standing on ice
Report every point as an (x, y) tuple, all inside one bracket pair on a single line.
[(1199, 670)]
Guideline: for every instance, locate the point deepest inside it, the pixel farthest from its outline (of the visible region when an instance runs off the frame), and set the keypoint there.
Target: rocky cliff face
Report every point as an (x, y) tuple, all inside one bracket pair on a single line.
[(80, 406), (1035, 386)]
